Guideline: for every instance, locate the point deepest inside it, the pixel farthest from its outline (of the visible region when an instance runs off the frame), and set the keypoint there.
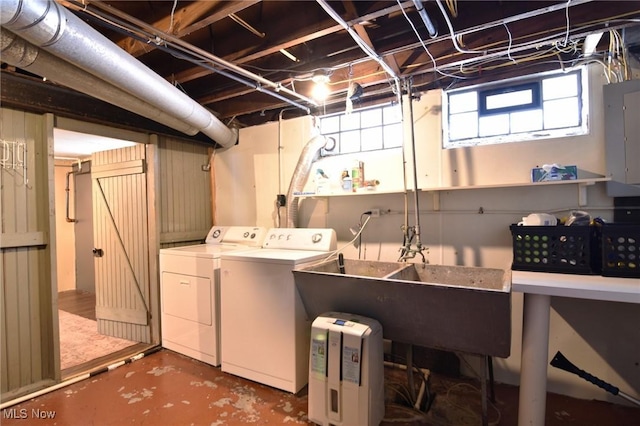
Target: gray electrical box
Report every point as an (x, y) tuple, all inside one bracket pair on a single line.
[(622, 134)]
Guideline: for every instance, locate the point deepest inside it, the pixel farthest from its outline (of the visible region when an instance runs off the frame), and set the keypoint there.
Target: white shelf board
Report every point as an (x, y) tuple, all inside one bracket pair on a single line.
[(587, 182), (581, 183)]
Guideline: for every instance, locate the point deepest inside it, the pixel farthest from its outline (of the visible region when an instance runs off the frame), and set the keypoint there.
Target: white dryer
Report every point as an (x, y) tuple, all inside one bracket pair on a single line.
[(265, 328), (190, 291)]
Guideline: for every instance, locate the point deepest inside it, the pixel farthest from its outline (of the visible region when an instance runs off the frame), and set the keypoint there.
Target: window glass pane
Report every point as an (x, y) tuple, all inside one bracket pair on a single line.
[(463, 126), (526, 121), (330, 124), (393, 135), (489, 113), (392, 114), (561, 113), (492, 125), (463, 102), (510, 99), (371, 117), (350, 141), (350, 121), (560, 87), (371, 138)]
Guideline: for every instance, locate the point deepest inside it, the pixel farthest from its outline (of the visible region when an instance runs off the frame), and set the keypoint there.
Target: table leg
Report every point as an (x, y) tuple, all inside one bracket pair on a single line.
[(533, 368)]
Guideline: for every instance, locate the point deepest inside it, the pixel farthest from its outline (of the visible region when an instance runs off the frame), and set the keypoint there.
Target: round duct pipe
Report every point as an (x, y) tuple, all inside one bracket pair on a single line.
[(309, 154), (49, 25), (22, 54)]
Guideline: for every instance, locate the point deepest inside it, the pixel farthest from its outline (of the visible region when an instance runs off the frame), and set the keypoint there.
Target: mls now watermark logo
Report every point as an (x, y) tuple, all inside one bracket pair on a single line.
[(23, 413)]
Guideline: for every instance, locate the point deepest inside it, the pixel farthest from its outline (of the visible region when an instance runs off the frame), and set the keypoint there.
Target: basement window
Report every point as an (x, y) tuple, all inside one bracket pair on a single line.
[(548, 105), (363, 130)]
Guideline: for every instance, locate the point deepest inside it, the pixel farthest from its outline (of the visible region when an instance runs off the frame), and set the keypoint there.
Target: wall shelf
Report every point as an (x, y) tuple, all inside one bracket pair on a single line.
[(582, 185)]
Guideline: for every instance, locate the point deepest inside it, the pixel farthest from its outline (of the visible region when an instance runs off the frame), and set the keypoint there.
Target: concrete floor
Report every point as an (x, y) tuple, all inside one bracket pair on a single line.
[(166, 388)]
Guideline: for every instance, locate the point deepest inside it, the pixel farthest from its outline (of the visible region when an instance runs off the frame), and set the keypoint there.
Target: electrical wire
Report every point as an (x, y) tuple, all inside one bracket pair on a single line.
[(360, 234), (424, 46), (173, 11), (494, 48), (566, 12), (452, 5), (335, 252), (510, 43), (453, 33)]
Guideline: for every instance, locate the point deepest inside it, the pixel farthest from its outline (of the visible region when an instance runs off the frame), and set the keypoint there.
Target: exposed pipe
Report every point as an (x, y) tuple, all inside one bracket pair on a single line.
[(169, 39), (414, 165), (363, 45), (22, 54), (425, 18), (54, 28), (407, 251), (67, 190), (309, 154), (189, 53)]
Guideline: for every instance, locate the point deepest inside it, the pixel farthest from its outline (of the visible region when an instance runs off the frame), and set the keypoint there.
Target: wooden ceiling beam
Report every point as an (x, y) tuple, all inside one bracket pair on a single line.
[(186, 20), (302, 36)]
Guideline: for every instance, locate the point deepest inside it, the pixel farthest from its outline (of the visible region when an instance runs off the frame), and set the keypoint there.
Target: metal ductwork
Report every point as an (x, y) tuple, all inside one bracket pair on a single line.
[(50, 26), (309, 154), (22, 54)]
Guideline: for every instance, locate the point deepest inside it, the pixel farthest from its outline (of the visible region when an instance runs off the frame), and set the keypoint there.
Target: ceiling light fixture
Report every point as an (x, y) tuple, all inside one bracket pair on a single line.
[(320, 90), (289, 55)]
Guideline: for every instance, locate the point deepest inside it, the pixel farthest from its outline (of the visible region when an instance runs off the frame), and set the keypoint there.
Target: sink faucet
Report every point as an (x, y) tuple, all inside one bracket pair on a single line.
[(407, 251)]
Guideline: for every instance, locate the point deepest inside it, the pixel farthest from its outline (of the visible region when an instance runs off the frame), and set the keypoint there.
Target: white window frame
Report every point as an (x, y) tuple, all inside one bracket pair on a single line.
[(581, 129), (342, 131)]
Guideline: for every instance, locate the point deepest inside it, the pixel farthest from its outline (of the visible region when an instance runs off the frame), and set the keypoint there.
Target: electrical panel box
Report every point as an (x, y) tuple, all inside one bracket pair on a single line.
[(622, 137)]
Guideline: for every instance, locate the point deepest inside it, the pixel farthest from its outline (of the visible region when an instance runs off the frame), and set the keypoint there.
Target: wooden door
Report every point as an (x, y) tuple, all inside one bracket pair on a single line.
[(121, 241)]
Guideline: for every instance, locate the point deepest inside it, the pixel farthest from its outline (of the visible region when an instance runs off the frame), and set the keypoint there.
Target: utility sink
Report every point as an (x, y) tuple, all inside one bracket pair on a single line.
[(458, 308)]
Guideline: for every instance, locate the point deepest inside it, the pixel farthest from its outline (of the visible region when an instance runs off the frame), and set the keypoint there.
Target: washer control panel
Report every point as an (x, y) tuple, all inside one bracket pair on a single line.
[(252, 236), (318, 239)]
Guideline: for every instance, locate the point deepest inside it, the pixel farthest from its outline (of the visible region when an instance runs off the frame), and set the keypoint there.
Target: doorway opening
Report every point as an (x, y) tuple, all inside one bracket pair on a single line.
[(83, 345)]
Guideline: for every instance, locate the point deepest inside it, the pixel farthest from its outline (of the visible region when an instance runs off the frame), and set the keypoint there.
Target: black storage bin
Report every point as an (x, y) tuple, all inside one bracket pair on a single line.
[(620, 250), (563, 249)]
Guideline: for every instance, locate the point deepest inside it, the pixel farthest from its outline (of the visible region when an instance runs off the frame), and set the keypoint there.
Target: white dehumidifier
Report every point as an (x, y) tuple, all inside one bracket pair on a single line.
[(346, 371)]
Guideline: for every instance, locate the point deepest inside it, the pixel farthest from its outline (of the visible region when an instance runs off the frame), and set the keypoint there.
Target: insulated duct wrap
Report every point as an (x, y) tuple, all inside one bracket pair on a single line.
[(49, 25), (22, 54), (309, 154)]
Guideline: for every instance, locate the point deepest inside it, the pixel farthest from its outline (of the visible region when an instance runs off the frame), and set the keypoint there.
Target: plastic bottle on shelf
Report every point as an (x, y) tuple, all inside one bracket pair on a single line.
[(347, 182), (357, 175)]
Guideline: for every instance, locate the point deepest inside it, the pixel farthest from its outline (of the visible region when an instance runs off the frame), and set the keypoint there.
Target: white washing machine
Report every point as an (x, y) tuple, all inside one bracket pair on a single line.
[(190, 290), (265, 329)]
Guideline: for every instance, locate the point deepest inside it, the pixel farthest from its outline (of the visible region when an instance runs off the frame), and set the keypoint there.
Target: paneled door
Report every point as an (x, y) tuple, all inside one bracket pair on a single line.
[(121, 243)]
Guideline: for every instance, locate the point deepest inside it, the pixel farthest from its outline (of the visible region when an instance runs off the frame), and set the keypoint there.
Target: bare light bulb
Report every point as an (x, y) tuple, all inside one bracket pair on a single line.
[(320, 90)]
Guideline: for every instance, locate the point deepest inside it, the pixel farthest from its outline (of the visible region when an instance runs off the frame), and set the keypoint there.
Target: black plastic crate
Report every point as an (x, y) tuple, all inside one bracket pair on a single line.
[(620, 250), (563, 249)]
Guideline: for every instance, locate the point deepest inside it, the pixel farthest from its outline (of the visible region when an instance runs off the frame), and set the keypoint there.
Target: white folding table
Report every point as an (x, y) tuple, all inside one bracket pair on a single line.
[(538, 287)]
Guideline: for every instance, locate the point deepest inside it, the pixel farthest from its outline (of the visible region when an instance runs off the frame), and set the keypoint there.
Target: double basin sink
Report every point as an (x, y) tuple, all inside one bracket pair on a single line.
[(457, 308)]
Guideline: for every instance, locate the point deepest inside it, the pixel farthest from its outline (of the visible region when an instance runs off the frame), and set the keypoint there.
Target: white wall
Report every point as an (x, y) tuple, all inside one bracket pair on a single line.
[(469, 226), (65, 232), (250, 175)]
